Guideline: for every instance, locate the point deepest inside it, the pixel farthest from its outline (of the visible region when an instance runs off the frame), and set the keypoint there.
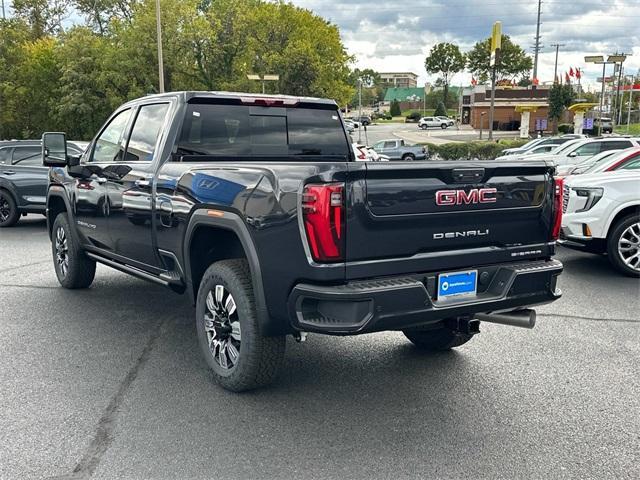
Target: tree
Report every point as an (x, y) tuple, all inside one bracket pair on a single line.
[(395, 109), (446, 60), (513, 62), (560, 97), (372, 89), (441, 110)]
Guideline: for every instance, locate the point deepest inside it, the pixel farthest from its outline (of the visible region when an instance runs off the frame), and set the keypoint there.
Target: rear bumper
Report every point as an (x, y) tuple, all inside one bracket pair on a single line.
[(397, 303), (582, 243)]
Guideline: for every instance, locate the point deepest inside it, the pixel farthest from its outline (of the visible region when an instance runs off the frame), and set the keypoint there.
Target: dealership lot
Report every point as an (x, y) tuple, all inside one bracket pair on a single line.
[(109, 383)]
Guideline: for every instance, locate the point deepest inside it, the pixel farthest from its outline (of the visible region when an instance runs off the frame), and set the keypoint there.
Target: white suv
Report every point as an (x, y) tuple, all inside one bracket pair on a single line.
[(427, 122), (601, 214), (576, 151)]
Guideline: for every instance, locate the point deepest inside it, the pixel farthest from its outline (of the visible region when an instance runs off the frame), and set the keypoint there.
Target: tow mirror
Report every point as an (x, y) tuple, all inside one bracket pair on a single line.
[(54, 149)]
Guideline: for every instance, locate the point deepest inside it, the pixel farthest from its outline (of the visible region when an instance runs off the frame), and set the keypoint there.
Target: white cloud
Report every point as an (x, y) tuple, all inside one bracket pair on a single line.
[(390, 35)]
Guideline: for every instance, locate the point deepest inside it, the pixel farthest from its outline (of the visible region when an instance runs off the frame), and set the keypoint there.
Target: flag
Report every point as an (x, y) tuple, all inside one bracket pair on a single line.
[(474, 82), (535, 81), (571, 71), (578, 74), (566, 77)]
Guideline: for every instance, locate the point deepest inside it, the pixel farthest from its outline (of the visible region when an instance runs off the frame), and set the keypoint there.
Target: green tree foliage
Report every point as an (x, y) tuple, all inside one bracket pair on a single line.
[(441, 110), (445, 59), (70, 80), (372, 88), (435, 97), (560, 97), (395, 109), (513, 62)]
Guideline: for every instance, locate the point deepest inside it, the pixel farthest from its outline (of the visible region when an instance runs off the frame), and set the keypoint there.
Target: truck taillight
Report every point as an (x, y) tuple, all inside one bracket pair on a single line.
[(323, 217), (557, 208)]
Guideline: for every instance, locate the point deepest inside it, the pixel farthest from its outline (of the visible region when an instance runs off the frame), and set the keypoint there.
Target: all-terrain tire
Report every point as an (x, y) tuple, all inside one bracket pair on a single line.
[(629, 228), (73, 268), (259, 358), (436, 340), (9, 214)]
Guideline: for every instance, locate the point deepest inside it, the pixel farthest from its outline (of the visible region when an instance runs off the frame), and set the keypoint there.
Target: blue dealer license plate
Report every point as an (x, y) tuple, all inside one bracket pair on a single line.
[(457, 283)]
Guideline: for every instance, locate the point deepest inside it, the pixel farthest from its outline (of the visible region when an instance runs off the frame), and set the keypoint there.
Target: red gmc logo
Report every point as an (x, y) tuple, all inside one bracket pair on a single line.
[(461, 197)]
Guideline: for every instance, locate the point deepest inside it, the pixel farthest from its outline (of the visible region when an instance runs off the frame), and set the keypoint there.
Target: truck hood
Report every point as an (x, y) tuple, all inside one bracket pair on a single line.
[(603, 179)]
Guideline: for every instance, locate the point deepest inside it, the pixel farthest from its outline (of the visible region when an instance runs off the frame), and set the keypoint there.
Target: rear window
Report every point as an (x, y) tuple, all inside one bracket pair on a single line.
[(257, 132)]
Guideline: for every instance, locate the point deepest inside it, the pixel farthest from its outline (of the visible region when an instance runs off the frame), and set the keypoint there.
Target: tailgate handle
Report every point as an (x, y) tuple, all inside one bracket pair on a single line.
[(465, 175)]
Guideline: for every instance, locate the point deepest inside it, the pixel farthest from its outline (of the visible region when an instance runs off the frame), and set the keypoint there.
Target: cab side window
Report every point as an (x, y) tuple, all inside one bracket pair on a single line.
[(5, 155), (145, 132), (108, 146), (588, 149)]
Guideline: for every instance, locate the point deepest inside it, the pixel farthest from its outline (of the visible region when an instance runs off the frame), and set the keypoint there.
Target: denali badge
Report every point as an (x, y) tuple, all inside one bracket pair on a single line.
[(460, 197), (464, 233)]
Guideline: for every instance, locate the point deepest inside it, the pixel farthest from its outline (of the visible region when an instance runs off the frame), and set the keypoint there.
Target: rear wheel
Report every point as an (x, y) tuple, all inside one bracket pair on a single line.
[(437, 339), (423, 127), (240, 357), (408, 157), (443, 126), (73, 268), (623, 246), (9, 214)]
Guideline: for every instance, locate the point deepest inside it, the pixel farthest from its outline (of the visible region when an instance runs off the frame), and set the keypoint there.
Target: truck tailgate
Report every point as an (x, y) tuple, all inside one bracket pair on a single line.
[(422, 216)]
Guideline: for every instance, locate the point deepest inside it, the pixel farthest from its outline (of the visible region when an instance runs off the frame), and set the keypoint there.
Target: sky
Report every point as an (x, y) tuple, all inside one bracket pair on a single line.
[(397, 35)]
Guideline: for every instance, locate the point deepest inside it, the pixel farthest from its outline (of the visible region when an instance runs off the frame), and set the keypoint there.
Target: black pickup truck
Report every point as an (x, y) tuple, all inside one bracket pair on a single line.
[(255, 207)]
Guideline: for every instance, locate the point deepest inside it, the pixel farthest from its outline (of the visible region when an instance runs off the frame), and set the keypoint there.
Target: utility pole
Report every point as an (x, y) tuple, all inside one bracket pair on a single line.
[(555, 68), (4, 16), (536, 48), (360, 110), (159, 35)]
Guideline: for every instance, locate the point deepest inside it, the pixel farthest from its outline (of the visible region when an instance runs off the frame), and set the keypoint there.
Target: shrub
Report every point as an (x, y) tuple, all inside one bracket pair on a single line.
[(414, 117), (441, 110), (395, 109), (565, 128), (465, 151)]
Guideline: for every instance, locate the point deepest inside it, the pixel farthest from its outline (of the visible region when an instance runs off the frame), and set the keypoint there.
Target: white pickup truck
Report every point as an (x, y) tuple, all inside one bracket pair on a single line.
[(602, 215)]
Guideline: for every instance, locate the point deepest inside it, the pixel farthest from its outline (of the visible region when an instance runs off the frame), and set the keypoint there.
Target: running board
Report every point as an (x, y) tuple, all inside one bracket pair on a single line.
[(128, 269)]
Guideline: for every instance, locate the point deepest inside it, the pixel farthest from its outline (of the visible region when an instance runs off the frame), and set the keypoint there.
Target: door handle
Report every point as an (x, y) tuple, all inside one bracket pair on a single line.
[(9, 172), (143, 183)]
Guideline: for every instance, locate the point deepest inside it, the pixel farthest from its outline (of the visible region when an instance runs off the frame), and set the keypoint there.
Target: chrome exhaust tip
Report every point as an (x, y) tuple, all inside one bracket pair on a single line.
[(518, 318)]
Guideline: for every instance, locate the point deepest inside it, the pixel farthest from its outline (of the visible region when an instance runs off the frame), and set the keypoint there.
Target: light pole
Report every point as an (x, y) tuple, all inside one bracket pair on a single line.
[(482, 114), (159, 35), (599, 59), (263, 79)]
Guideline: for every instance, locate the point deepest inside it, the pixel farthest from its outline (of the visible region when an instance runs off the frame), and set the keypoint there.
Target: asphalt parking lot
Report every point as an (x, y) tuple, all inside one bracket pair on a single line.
[(109, 383)]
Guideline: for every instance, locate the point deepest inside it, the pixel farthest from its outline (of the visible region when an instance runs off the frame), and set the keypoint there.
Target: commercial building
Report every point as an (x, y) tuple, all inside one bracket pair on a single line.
[(399, 79), (512, 104)]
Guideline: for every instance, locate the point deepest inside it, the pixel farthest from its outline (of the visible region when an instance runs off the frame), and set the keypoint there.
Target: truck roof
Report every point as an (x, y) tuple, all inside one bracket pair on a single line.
[(191, 94)]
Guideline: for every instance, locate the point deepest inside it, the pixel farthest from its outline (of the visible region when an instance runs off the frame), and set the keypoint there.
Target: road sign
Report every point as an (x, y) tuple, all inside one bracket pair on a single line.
[(606, 79), (496, 42), (587, 124), (541, 124)]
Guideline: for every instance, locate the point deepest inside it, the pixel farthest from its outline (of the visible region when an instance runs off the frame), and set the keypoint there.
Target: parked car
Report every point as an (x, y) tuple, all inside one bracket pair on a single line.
[(607, 162), (432, 122), (23, 179), (364, 153), (450, 121), (364, 120), (397, 149), (540, 149), (602, 215), (272, 228), (537, 142), (579, 168), (575, 151), (413, 117), (607, 126)]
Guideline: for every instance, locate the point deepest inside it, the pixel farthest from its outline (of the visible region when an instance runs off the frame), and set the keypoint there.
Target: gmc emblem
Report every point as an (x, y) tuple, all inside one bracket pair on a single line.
[(461, 197)]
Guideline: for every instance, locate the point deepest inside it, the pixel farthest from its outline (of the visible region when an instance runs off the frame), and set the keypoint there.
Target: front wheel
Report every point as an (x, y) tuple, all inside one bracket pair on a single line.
[(443, 126), (437, 339), (240, 357), (623, 246), (9, 214), (408, 157), (423, 127), (73, 268)]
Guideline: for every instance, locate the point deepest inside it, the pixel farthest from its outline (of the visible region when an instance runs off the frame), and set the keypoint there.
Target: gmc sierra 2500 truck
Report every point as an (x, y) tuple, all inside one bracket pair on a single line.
[(255, 207)]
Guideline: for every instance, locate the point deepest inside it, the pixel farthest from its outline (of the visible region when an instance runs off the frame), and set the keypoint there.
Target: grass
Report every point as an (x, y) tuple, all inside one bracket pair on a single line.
[(634, 129)]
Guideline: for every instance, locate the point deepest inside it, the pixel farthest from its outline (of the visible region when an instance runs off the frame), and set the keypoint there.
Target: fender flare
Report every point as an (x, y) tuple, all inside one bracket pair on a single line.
[(614, 214), (234, 223), (9, 187), (59, 192)]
